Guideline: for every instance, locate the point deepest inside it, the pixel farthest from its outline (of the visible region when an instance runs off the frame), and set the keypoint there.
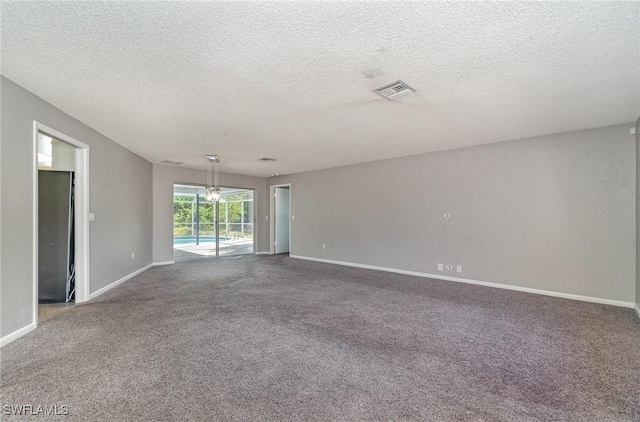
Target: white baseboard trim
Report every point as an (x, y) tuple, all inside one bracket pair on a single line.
[(16, 334), (156, 264), (263, 253), (480, 283), (637, 310), (117, 282), (22, 331)]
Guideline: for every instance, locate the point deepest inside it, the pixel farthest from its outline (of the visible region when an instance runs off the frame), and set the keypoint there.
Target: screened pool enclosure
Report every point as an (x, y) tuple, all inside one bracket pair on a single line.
[(203, 228)]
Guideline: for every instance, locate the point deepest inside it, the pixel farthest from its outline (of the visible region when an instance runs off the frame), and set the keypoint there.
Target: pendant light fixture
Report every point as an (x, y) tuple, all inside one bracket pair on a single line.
[(212, 190)]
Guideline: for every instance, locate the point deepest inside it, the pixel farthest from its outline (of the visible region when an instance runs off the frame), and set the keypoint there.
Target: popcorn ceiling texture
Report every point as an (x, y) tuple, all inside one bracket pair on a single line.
[(291, 80)]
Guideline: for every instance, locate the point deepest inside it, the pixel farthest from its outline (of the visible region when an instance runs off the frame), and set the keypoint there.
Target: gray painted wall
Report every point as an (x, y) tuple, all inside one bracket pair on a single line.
[(120, 185), (553, 213), (638, 213), (163, 179), (550, 212)]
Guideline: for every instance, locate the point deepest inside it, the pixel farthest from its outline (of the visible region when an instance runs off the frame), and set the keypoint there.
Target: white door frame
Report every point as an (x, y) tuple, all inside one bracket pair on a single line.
[(254, 192), (81, 214), (272, 224)]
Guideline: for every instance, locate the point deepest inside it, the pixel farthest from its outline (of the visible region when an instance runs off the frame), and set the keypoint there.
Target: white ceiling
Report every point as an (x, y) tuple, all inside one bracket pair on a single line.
[(293, 80)]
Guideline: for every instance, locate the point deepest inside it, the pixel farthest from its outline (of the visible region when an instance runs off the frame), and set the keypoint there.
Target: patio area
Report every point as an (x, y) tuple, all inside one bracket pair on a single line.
[(190, 251)]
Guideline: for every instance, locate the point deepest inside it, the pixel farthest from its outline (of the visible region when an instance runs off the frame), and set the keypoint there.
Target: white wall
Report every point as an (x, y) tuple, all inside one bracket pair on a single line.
[(120, 196), (163, 179), (63, 157), (552, 213)]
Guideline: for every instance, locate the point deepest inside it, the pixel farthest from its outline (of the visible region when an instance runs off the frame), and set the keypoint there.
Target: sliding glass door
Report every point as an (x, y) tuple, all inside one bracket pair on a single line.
[(203, 229)]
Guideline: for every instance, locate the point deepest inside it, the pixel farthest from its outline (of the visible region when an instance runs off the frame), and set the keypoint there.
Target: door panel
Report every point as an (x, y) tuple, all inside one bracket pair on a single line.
[(206, 220), (204, 229), (55, 216), (282, 222)]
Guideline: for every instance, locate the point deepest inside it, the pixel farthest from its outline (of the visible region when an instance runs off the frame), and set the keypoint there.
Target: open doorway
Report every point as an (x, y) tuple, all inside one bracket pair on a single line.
[(60, 223), (281, 219), (205, 229)]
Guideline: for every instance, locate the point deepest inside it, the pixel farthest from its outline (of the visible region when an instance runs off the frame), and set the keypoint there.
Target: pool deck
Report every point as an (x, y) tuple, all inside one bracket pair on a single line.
[(189, 252)]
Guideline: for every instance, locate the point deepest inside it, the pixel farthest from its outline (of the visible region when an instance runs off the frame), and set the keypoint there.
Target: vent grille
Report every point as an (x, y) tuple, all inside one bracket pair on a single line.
[(394, 90), (172, 162)]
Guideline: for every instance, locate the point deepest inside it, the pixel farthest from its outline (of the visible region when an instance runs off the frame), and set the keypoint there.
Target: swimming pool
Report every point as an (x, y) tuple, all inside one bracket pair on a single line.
[(185, 240)]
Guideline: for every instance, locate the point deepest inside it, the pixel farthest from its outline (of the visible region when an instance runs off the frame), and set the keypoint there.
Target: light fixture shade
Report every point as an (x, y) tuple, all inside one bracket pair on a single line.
[(212, 190), (212, 193)]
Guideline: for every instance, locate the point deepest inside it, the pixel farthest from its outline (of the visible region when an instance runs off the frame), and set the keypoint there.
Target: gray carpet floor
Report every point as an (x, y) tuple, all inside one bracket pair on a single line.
[(274, 338)]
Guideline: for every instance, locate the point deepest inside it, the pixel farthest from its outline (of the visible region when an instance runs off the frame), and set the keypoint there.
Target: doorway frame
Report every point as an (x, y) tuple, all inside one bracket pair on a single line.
[(81, 214), (222, 185), (272, 217)]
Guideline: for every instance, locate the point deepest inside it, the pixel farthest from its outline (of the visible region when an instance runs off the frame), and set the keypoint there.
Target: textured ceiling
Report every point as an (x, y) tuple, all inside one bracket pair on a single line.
[(293, 81)]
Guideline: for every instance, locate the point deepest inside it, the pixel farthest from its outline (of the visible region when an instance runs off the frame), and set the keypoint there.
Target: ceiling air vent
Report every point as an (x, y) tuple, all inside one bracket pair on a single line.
[(171, 162), (394, 90)]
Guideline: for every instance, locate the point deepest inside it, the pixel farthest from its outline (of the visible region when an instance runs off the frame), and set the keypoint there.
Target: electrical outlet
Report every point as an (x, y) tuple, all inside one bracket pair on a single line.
[(324, 246), (449, 267), (440, 267), (459, 268), (133, 255)]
